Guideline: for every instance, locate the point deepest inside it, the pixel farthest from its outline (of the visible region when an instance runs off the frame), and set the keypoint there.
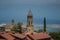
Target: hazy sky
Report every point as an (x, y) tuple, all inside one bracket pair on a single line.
[(18, 9), (34, 2)]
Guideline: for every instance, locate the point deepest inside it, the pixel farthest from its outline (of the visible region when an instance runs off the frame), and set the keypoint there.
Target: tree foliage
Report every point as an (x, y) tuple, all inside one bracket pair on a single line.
[(14, 28), (40, 30), (55, 35), (44, 24), (17, 27)]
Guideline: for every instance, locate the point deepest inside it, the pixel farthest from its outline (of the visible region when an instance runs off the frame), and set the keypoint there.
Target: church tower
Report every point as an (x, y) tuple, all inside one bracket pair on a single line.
[(30, 22), (12, 21)]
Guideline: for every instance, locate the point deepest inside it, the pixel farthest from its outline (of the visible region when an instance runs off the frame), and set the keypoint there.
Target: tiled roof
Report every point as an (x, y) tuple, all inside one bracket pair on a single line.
[(36, 36), (29, 36), (6, 36), (18, 35)]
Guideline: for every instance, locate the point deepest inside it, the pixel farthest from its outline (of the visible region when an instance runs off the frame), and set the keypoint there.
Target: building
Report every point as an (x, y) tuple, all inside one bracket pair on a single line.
[(2, 27), (29, 32), (39, 36), (28, 36), (30, 22), (9, 26), (6, 27), (11, 36)]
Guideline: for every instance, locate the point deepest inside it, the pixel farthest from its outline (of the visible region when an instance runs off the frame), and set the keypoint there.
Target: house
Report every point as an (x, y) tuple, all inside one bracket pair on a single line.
[(6, 36), (12, 36), (26, 36), (2, 27), (18, 36), (39, 36), (8, 27)]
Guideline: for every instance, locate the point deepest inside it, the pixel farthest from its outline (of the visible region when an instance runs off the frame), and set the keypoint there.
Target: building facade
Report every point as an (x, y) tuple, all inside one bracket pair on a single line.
[(29, 22), (2, 27)]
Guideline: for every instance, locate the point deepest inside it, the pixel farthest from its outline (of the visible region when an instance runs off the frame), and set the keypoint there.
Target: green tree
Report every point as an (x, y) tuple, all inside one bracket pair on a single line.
[(19, 25), (44, 24), (40, 30), (14, 28), (55, 35)]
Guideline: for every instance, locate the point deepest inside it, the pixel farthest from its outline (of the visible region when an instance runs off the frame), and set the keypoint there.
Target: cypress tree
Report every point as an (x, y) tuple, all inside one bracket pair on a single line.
[(44, 24)]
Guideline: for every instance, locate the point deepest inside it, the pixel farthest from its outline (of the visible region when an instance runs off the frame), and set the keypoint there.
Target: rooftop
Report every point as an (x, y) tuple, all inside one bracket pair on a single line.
[(2, 25), (38, 36), (28, 36), (6, 36), (21, 36)]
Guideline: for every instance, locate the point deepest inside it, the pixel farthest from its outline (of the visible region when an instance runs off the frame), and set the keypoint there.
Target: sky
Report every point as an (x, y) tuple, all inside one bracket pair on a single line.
[(34, 2), (18, 10)]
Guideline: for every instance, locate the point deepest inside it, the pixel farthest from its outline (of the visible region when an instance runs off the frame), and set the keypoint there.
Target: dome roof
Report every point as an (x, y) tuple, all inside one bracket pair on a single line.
[(30, 13)]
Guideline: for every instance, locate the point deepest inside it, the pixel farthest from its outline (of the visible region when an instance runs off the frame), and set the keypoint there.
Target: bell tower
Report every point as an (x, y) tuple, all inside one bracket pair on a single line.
[(30, 22)]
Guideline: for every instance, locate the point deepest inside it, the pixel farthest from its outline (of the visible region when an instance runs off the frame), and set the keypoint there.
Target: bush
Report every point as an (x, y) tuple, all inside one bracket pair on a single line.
[(55, 35)]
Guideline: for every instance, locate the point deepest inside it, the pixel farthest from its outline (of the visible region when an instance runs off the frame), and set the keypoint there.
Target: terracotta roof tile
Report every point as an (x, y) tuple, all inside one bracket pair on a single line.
[(7, 36), (41, 35), (18, 35), (29, 36)]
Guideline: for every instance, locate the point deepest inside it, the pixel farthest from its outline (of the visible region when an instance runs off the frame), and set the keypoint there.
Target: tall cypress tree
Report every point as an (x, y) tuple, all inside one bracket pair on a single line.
[(44, 24)]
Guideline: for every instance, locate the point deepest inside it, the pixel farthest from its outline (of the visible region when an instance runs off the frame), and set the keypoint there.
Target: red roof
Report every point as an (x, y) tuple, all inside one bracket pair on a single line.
[(7, 36), (18, 35), (41, 35), (29, 36)]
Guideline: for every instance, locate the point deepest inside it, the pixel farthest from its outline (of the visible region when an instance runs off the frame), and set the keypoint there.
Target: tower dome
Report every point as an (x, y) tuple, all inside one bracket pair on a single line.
[(30, 13)]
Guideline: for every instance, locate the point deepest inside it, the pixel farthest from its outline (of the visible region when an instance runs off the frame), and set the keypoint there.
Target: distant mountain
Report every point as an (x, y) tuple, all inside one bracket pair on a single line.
[(49, 21), (35, 20)]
